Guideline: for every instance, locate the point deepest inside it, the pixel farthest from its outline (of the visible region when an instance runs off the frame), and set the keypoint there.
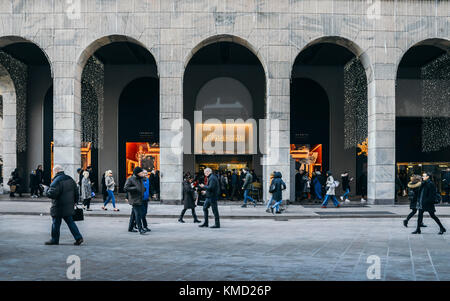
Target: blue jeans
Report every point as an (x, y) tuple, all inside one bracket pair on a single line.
[(277, 205), (246, 196), (333, 197), (347, 191), (56, 226), (269, 202), (110, 197), (318, 191)]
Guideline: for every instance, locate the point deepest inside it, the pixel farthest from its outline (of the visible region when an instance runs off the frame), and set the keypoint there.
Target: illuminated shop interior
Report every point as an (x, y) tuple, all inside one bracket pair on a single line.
[(224, 80)]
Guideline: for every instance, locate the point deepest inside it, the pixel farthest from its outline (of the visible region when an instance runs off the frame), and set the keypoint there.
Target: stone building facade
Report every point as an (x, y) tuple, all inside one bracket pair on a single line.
[(69, 32)]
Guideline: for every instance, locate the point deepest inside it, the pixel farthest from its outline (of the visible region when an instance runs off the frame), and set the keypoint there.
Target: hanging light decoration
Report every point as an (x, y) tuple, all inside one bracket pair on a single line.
[(436, 104), (92, 98), (355, 103), (19, 75)]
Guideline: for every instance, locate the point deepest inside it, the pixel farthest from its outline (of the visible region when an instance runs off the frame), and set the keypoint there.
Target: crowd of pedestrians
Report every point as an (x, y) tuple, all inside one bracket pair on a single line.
[(204, 189)]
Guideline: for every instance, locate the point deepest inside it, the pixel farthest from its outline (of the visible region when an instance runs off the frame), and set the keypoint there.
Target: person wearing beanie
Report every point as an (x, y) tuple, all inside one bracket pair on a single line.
[(134, 187)]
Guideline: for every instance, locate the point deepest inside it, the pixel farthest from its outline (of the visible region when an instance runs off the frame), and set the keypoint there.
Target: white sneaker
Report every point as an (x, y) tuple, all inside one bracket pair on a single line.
[(363, 200), (342, 198), (347, 201)]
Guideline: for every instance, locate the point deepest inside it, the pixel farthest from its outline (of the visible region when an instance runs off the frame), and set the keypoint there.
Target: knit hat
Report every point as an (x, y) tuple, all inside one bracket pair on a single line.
[(137, 170)]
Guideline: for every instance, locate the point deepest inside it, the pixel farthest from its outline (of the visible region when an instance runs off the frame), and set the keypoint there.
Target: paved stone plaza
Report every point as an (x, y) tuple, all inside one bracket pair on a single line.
[(308, 249)]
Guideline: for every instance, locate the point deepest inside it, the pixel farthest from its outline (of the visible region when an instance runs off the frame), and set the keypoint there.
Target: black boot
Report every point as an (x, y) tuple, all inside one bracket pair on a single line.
[(417, 231), (405, 223), (197, 221), (423, 225), (51, 242), (442, 231), (180, 220), (203, 225)]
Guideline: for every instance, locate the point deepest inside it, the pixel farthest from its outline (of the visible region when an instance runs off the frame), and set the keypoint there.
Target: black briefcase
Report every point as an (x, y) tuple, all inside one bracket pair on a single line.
[(79, 215)]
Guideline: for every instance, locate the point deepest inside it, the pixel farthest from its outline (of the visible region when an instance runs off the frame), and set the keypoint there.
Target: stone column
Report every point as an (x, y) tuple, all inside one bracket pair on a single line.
[(9, 154), (278, 107), (381, 129), (67, 123), (171, 131)]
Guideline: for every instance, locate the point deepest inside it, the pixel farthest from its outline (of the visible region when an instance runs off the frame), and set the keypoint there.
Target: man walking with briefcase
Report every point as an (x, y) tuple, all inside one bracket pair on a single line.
[(64, 194)]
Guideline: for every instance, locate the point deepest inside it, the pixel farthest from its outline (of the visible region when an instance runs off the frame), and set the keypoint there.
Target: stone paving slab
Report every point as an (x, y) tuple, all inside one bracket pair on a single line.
[(308, 249)]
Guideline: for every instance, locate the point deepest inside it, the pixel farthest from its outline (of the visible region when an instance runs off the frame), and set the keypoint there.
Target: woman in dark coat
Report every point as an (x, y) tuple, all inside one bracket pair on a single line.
[(188, 199), (413, 187), (277, 194), (426, 200)]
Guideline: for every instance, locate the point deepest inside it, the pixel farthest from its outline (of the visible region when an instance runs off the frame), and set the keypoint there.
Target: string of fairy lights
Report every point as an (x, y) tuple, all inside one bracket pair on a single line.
[(355, 103), (435, 78), (19, 75), (92, 98)]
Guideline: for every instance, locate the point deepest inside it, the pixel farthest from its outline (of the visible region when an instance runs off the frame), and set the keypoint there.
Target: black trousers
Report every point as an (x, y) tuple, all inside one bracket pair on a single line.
[(411, 214), (193, 213), (135, 218), (87, 203), (432, 215), (213, 204), (144, 213)]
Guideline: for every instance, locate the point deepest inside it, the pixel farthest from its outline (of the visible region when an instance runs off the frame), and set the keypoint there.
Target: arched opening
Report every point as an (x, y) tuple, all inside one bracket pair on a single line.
[(26, 139), (423, 115), (328, 117), (118, 81), (224, 81)]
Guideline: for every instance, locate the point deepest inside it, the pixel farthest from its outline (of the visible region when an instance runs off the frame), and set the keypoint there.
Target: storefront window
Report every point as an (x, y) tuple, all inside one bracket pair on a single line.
[(307, 157), (141, 154)]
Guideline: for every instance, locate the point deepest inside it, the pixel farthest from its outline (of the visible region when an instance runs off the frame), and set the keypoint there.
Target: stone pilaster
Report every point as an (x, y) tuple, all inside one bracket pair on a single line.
[(171, 131), (67, 123), (381, 129), (277, 129)]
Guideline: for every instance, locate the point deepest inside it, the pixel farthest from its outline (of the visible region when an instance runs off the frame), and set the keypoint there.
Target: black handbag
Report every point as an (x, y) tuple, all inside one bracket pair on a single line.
[(79, 215)]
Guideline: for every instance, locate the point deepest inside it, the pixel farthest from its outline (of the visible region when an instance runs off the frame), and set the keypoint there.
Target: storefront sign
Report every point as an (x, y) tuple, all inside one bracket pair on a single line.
[(225, 138)]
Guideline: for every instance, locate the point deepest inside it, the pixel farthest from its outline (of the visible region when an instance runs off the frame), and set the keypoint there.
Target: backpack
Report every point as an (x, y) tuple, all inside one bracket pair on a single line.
[(272, 188)]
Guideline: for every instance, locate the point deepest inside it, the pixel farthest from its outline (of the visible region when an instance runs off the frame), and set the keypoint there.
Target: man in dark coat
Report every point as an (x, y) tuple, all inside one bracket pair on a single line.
[(425, 202), (93, 178), (64, 192), (39, 179), (134, 186), (247, 186), (212, 192), (188, 199)]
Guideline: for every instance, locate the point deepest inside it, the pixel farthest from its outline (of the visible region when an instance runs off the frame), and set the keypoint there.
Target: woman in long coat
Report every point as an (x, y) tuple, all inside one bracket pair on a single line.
[(86, 191), (426, 200), (413, 188), (188, 199)]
